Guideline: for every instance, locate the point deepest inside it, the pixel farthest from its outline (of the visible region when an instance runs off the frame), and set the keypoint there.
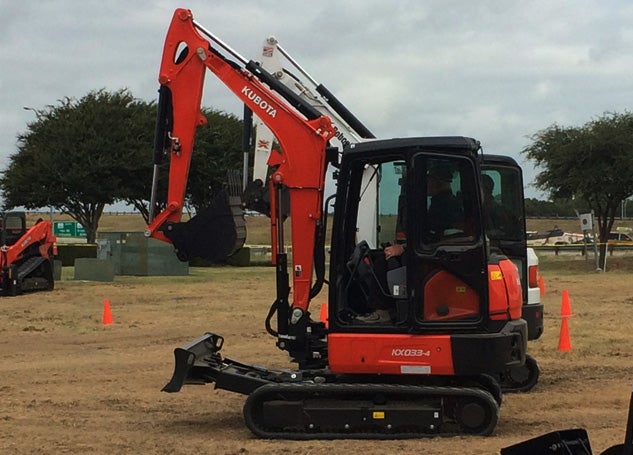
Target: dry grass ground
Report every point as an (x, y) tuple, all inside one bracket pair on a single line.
[(72, 385)]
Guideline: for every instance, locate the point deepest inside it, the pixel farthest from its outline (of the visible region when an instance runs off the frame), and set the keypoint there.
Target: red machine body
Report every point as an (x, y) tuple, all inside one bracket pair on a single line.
[(454, 309), (26, 255)]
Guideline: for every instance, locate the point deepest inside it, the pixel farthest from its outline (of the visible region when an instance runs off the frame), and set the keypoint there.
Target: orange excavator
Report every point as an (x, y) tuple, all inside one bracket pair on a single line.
[(502, 173), (26, 255), (449, 308)]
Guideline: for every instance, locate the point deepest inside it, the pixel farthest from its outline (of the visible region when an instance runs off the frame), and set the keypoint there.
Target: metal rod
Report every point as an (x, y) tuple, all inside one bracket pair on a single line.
[(152, 202), (221, 43), (247, 137), (296, 65), (280, 219)]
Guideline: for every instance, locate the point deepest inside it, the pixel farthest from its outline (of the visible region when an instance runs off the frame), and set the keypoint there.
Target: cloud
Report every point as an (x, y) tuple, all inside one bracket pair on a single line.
[(495, 70)]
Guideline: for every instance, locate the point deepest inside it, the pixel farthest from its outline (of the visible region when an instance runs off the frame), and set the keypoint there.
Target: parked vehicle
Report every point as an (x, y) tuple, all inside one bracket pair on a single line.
[(554, 236), (26, 254), (620, 238)]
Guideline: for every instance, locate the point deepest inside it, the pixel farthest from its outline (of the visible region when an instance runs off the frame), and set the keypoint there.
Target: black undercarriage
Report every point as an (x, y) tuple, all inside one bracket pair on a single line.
[(310, 404)]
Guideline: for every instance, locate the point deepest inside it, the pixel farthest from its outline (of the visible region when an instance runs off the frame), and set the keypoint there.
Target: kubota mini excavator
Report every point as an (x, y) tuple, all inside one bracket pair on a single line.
[(26, 255), (453, 305), (504, 173)]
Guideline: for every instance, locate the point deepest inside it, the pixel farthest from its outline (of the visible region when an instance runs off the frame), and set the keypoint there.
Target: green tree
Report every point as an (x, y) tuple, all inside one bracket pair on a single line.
[(555, 208), (80, 155), (593, 163), (217, 156)]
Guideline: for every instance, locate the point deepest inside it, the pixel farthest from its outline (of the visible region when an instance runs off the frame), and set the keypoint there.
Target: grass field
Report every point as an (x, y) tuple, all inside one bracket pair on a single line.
[(258, 226), (72, 385)]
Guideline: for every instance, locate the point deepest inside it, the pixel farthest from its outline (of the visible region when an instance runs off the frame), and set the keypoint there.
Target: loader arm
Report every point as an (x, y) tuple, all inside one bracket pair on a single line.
[(302, 133)]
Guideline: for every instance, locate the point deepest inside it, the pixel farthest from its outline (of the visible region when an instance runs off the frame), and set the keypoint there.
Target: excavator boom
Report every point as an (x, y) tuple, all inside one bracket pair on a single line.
[(302, 131)]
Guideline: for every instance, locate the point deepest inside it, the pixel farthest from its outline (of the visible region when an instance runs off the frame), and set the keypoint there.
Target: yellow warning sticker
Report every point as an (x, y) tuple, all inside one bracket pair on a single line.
[(378, 415), (460, 289), (496, 275)]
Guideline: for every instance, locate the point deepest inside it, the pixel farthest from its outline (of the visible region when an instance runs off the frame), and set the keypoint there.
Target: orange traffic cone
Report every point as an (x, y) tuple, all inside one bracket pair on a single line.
[(541, 285), (564, 340), (107, 313), (565, 308), (323, 315)]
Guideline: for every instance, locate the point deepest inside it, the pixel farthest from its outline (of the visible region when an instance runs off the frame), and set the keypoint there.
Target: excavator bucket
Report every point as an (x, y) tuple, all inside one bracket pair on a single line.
[(213, 234)]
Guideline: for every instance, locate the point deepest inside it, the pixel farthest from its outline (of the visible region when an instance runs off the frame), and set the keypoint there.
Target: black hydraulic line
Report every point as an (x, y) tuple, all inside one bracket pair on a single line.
[(283, 291), (282, 278), (247, 140), (164, 122), (295, 100), (345, 113), (319, 251)]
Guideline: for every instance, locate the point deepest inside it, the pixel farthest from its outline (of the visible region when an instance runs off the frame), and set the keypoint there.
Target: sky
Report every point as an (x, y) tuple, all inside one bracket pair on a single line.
[(495, 70)]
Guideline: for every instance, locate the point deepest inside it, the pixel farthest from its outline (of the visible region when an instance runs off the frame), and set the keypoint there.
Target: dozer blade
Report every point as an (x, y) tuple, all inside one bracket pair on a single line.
[(200, 362), (206, 346), (213, 234)]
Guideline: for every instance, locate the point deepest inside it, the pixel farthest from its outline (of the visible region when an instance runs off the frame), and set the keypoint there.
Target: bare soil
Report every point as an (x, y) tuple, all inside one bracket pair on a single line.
[(72, 385)]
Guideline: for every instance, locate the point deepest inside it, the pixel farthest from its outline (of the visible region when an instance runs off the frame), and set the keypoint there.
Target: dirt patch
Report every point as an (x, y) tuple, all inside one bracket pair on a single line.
[(71, 385)]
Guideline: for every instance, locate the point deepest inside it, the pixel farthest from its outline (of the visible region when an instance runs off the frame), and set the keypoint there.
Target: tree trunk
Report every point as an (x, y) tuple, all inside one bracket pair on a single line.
[(88, 215)]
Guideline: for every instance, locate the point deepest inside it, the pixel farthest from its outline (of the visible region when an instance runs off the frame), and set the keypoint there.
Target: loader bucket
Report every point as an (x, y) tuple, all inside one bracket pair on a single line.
[(213, 234)]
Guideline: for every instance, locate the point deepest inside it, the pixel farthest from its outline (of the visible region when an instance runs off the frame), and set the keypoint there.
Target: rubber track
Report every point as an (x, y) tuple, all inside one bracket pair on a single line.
[(28, 266), (254, 403)]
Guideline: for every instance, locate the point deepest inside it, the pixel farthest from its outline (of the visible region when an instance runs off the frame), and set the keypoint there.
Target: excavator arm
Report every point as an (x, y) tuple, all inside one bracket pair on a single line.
[(302, 132)]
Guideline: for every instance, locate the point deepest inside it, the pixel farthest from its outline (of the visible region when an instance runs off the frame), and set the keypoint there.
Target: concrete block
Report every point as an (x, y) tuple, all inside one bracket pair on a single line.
[(93, 269), (57, 270)]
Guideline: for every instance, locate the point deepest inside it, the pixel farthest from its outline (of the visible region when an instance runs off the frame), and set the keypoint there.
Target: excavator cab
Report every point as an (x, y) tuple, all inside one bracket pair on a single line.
[(427, 202), (449, 285)]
